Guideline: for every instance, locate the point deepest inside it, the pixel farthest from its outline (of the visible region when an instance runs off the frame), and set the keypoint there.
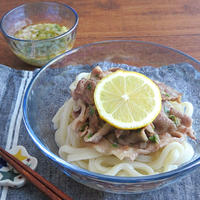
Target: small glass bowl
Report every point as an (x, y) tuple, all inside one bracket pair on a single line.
[(49, 89), (39, 52)]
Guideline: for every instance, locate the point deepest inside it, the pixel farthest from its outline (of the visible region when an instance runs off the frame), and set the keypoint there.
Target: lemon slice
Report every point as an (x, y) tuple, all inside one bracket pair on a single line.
[(127, 100)]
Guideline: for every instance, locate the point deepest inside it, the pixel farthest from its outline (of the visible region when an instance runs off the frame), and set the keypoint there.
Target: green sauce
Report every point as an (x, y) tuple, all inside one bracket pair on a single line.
[(40, 50), (40, 31)]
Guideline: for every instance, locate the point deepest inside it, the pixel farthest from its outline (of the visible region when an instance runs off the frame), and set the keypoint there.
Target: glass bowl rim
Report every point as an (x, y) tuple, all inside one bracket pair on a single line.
[(115, 179), (49, 39)]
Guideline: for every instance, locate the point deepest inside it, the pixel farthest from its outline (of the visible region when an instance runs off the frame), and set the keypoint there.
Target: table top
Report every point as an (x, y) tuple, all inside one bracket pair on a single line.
[(173, 23)]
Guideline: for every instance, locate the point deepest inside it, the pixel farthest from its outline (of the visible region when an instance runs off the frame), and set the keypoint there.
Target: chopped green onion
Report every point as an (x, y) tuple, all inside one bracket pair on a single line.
[(115, 145), (166, 94), (175, 119), (40, 31), (83, 127), (91, 111), (154, 138), (90, 135), (89, 87)]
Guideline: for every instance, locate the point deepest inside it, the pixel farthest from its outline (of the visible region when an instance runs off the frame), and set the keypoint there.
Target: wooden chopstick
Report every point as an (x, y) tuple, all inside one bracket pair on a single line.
[(41, 183)]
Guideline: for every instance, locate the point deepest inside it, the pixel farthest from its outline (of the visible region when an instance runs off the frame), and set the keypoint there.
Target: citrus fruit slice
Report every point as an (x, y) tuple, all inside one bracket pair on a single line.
[(127, 100)]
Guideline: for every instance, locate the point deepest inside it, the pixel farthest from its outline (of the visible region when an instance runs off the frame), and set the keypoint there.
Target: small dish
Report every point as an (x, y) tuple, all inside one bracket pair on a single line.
[(8, 175), (39, 52)]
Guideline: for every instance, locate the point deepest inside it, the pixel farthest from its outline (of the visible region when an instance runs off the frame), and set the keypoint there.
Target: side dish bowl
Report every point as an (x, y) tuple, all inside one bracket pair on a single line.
[(50, 88), (39, 52)]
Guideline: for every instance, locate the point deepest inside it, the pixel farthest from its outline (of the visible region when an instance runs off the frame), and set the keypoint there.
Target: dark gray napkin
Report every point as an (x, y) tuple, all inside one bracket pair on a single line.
[(12, 132)]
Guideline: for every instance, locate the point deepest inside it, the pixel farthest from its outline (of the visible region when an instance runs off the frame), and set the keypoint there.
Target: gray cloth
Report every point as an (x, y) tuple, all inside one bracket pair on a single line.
[(12, 87)]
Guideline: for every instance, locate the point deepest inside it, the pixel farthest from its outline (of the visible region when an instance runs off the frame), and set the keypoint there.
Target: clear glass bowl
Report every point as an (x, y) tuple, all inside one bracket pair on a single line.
[(39, 52), (46, 94)]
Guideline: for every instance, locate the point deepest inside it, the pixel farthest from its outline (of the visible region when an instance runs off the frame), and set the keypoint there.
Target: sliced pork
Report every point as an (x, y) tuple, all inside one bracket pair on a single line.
[(168, 93), (185, 120), (81, 116), (94, 119), (85, 91), (131, 152), (163, 124), (132, 137), (97, 73), (95, 138)]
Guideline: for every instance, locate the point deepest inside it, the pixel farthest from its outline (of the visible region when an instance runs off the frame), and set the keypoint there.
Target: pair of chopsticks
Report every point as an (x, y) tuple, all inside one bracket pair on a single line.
[(41, 183)]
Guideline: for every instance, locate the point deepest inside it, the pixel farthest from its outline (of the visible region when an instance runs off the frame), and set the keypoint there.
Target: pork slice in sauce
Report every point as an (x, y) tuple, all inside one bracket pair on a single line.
[(187, 130), (96, 137), (94, 119), (131, 152), (81, 116), (163, 124), (97, 73), (105, 147), (132, 137), (85, 91), (150, 147), (185, 120), (168, 93)]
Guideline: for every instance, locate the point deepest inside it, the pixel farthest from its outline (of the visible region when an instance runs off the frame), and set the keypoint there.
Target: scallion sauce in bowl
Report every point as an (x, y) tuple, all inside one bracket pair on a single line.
[(38, 32)]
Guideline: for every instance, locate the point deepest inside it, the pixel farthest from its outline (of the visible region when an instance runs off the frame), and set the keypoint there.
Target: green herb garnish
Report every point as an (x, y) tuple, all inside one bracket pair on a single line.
[(154, 138), (166, 94), (115, 145), (83, 127), (89, 87), (91, 110), (175, 119), (58, 27), (172, 117), (90, 135)]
